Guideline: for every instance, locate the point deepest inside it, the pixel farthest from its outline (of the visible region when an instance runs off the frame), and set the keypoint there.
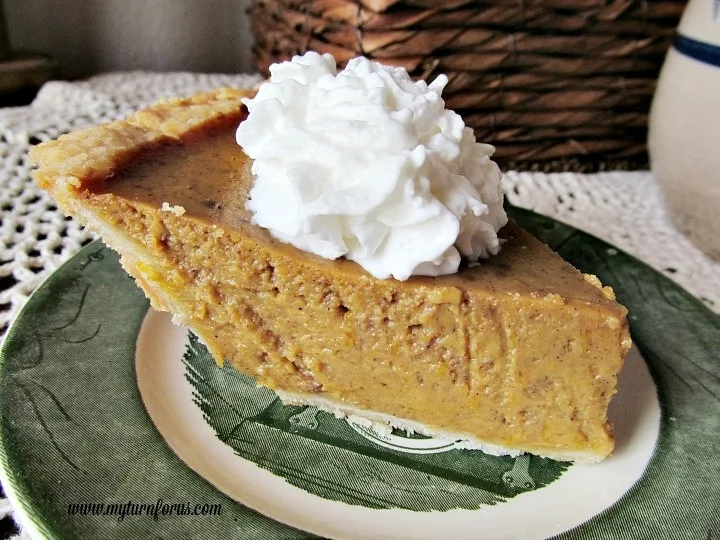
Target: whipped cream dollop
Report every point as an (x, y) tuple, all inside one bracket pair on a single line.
[(367, 164)]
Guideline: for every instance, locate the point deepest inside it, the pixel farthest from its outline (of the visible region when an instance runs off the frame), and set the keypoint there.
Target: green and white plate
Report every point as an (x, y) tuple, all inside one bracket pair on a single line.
[(116, 424)]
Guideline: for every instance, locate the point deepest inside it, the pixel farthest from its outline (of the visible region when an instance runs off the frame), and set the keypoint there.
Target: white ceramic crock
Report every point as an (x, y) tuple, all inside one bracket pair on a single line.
[(684, 129)]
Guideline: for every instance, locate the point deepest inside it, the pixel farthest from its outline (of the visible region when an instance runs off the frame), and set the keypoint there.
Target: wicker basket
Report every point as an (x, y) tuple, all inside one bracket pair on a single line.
[(549, 82)]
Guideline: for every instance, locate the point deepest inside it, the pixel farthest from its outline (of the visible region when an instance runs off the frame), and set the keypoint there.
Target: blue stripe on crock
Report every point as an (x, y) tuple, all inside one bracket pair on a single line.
[(698, 50)]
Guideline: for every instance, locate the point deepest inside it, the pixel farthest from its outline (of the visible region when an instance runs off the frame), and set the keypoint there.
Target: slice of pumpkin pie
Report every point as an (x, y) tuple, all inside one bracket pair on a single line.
[(519, 353)]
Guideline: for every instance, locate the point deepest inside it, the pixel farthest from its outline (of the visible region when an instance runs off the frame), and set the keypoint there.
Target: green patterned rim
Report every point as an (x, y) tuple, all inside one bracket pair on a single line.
[(74, 429)]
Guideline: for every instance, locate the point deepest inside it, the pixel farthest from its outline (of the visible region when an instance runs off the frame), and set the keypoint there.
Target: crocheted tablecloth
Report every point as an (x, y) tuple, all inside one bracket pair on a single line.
[(623, 208)]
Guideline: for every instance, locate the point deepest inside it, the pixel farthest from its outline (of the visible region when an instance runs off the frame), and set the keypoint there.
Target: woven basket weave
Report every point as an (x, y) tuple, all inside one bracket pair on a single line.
[(545, 81)]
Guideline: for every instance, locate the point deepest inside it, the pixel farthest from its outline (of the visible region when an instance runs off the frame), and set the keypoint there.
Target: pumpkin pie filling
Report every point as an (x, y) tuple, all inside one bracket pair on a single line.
[(519, 353)]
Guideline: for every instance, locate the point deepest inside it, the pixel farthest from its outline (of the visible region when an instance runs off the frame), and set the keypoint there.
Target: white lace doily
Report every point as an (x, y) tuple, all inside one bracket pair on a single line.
[(623, 208)]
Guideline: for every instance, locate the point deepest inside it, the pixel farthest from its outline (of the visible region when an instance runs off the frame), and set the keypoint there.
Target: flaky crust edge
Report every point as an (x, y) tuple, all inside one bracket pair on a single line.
[(91, 154)]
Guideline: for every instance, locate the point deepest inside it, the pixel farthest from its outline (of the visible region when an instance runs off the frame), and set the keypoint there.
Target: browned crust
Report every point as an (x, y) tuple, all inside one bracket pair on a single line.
[(82, 157)]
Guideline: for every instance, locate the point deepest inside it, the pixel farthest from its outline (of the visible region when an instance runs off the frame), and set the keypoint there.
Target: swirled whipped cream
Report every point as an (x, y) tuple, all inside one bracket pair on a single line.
[(367, 164)]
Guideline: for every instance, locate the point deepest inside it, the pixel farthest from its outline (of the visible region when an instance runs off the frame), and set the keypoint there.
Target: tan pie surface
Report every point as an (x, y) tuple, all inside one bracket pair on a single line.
[(520, 353)]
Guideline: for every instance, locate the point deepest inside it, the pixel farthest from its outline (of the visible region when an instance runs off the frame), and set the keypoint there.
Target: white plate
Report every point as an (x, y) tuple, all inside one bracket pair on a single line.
[(165, 357)]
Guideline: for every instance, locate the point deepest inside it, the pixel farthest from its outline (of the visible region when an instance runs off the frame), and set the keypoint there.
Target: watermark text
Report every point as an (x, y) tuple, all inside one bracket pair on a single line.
[(158, 509)]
